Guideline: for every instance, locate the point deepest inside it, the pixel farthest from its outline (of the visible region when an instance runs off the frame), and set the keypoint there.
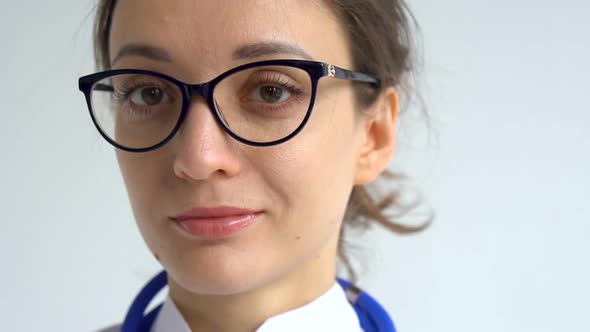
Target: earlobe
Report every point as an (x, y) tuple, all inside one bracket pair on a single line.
[(379, 138)]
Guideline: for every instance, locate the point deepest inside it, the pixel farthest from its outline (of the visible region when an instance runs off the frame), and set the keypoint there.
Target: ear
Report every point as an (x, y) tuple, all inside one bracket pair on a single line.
[(378, 137)]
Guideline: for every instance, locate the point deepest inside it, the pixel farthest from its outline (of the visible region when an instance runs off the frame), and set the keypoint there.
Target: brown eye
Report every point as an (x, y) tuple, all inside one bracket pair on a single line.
[(148, 96), (272, 94)]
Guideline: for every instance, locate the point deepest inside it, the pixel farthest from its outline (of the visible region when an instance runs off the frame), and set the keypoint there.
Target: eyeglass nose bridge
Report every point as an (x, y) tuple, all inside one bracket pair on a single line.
[(204, 91), (197, 90)]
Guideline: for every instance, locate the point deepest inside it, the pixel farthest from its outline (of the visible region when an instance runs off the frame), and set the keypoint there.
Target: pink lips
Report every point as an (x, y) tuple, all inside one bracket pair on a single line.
[(215, 222)]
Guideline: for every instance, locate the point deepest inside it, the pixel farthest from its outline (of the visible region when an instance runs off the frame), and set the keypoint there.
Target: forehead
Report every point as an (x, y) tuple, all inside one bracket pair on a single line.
[(204, 34)]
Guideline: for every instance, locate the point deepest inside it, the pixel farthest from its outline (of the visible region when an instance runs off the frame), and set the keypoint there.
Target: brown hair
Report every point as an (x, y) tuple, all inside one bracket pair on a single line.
[(381, 43)]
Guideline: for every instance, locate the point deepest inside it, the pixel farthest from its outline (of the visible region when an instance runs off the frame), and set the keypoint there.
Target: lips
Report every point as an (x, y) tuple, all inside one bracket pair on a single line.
[(213, 212), (215, 222)]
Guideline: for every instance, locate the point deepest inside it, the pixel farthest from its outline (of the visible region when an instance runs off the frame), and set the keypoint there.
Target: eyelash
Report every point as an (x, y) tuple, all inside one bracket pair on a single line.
[(121, 95), (277, 80), (125, 90)]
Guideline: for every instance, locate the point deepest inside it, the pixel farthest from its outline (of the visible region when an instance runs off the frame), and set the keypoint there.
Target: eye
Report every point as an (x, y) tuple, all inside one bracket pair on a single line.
[(148, 96), (272, 94)]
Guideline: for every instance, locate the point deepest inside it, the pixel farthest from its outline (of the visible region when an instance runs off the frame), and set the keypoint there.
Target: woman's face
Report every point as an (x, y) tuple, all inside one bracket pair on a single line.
[(301, 187)]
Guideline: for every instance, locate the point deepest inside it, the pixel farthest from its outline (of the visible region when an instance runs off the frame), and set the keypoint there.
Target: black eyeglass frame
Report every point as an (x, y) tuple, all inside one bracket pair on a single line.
[(315, 69)]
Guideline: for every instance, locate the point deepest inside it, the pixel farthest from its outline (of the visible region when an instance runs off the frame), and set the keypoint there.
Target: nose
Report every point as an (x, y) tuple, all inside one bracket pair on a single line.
[(203, 148)]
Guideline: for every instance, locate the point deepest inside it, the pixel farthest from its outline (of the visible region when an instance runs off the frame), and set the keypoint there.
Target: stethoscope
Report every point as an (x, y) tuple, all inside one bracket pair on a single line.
[(372, 316)]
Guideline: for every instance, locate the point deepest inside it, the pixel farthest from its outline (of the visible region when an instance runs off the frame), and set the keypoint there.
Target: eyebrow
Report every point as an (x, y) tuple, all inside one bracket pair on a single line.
[(261, 49), (249, 51), (144, 50)]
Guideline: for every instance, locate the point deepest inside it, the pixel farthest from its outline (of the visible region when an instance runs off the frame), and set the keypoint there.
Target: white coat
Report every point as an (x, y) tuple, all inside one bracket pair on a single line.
[(329, 312)]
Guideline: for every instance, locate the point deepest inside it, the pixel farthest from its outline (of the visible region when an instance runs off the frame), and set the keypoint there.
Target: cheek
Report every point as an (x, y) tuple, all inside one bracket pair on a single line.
[(312, 174), (142, 174), (144, 177)]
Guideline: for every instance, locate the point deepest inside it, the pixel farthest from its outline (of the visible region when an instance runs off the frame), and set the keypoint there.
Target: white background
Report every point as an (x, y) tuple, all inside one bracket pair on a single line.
[(507, 86)]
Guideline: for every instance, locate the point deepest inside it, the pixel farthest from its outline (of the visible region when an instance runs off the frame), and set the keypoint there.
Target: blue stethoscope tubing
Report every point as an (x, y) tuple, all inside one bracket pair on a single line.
[(372, 316)]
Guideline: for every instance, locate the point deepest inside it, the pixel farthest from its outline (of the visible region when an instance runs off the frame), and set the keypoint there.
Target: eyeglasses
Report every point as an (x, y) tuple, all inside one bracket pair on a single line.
[(261, 103)]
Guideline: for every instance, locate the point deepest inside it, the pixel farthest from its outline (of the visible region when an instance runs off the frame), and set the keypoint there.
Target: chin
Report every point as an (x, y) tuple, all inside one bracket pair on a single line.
[(216, 277)]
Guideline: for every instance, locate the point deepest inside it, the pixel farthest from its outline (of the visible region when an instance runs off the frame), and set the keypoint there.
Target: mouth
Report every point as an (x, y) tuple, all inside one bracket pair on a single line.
[(215, 222)]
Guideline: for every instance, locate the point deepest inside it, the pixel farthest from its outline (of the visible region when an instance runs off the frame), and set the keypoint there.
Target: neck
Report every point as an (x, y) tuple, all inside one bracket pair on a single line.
[(248, 310)]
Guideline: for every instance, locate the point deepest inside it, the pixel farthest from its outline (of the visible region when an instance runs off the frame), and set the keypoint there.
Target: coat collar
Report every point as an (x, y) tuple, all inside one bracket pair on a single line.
[(329, 312)]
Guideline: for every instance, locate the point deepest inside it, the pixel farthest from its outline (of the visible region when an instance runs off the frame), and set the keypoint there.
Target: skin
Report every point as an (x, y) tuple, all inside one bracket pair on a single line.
[(287, 258)]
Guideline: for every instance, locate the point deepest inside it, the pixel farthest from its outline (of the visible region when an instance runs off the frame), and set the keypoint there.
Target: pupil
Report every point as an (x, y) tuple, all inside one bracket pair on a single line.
[(271, 94), (151, 96)]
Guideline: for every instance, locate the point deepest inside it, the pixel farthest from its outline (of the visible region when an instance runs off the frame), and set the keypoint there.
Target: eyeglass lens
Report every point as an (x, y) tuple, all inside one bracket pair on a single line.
[(260, 104)]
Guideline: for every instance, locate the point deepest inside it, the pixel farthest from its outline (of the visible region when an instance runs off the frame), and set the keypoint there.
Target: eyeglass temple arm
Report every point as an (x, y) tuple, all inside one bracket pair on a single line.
[(337, 72), (103, 87)]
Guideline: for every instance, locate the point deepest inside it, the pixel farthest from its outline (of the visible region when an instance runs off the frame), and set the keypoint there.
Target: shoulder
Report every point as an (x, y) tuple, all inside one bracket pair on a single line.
[(112, 328)]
